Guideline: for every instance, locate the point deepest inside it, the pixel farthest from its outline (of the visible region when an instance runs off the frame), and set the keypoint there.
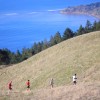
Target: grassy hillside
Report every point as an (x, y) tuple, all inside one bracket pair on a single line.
[(79, 55)]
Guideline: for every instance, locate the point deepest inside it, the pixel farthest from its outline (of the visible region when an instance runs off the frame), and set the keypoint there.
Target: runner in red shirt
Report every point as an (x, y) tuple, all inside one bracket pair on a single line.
[(28, 84), (10, 85)]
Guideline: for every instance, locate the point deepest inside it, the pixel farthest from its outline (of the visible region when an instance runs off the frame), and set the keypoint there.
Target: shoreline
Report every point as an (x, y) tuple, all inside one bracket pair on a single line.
[(80, 13)]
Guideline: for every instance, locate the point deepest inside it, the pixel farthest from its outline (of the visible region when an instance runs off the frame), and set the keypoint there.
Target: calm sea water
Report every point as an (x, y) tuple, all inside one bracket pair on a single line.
[(23, 29)]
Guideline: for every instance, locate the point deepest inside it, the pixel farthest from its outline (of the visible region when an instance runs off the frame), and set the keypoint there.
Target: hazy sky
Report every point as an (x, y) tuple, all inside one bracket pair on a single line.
[(25, 5)]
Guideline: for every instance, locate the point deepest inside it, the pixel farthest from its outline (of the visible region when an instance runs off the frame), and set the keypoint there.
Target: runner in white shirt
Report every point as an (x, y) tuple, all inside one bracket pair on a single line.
[(74, 79)]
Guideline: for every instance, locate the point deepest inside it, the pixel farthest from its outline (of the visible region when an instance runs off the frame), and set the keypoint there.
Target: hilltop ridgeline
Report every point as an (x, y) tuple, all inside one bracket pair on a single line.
[(8, 58), (91, 9)]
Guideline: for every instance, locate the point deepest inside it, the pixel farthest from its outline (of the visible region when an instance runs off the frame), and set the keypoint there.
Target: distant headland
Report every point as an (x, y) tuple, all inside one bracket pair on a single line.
[(92, 9)]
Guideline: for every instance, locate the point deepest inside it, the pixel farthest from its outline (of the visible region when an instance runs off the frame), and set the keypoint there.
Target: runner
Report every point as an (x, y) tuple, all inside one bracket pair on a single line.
[(52, 83), (74, 79), (10, 85), (28, 84)]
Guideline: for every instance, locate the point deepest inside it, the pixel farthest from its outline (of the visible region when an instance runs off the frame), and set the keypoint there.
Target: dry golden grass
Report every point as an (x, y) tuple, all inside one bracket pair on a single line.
[(79, 55), (81, 91)]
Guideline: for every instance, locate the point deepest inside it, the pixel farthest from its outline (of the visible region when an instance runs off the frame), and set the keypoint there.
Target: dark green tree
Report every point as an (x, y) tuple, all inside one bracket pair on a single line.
[(81, 30), (68, 34), (35, 48), (39, 46), (45, 44), (98, 26), (94, 26), (52, 41), (13, 58), (88, 27), (4, 57), (18, 56), (26, 53), (57, 38)]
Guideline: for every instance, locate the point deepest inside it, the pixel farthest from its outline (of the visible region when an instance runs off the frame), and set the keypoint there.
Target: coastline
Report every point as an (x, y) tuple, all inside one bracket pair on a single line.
[(80, 13)]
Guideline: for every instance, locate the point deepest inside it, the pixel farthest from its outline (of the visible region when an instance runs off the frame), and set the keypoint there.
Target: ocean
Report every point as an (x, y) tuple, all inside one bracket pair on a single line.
[(19, 30)]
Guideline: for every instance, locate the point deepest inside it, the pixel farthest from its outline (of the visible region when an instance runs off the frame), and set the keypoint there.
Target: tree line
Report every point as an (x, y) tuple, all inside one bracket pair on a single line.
[(7, 57)]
